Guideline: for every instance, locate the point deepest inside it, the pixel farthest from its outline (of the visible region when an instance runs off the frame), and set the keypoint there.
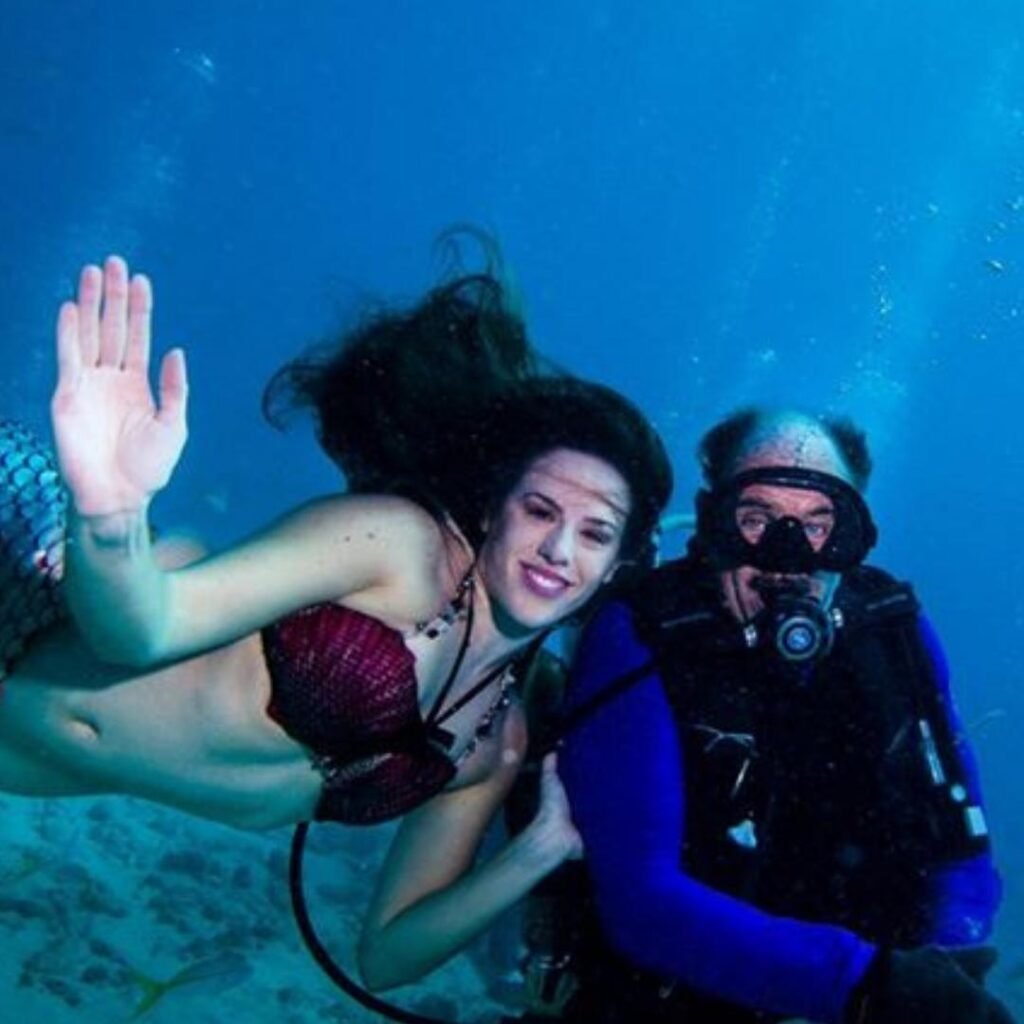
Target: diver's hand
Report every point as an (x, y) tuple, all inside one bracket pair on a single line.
[(116, 446), (975, 961), (552, 825), (928, 984)]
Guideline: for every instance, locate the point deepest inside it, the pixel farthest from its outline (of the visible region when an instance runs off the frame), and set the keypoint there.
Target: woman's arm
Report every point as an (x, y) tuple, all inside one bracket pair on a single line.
[(377, 552), (430, 900), (117, 446)]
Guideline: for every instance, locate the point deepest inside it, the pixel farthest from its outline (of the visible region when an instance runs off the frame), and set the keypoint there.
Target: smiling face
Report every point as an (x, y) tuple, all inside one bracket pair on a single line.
[(555, 539)]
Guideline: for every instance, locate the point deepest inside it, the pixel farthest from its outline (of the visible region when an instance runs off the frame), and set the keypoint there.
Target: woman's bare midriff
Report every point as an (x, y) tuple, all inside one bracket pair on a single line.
[(194, 735)]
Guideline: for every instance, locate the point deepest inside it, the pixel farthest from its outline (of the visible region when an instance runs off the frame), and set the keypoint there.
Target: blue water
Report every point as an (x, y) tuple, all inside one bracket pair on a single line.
[(706, 204)]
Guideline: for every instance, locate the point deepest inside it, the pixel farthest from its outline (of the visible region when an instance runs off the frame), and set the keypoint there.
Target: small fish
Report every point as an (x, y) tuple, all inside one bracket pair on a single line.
[(996, 266), (224, 971)]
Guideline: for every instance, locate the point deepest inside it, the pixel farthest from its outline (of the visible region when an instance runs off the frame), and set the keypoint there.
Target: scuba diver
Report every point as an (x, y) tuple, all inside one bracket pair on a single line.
[(780, 810)]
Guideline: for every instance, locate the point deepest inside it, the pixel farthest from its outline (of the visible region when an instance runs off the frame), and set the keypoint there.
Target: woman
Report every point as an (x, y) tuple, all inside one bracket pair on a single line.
[(357, 660)]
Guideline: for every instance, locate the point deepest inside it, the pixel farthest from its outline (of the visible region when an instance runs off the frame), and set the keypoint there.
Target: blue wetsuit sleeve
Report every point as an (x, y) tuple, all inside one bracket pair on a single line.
[(623, 770), (965, 894)]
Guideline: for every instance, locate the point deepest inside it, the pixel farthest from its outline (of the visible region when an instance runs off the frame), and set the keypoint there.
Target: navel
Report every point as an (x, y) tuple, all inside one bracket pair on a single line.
[(85, 729)]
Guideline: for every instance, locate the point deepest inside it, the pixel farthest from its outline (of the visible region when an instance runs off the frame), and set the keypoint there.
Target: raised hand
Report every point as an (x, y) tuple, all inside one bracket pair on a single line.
[(116, 445)]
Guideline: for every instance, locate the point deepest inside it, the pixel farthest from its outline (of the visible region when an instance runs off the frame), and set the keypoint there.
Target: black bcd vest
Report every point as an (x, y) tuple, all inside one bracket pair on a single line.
[(812, 793)]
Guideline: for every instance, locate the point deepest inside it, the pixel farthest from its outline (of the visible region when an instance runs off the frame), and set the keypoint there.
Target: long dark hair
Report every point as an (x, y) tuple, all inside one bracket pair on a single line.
[(447, 402)]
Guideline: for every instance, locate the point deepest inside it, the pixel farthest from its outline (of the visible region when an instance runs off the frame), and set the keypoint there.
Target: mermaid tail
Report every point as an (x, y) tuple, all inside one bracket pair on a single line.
[(33, 514)]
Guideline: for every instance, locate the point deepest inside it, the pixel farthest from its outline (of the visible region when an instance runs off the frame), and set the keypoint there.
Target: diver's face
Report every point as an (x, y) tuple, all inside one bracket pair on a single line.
[(762, 504), (555, 540)]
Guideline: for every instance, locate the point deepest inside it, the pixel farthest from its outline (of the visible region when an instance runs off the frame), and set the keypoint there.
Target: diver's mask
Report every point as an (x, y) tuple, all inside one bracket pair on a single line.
[(784, 547), (794, 622)]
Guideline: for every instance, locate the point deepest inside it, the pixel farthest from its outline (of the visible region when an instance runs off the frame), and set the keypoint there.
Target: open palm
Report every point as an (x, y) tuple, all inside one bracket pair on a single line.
[(116, 444)]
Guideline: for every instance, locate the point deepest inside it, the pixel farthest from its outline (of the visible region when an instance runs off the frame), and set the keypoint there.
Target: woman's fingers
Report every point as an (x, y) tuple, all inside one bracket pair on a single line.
[(69, 353), (552, 791), (140, 311), (90, 292), (109, 329), (173, 388), (114, 321), (554, 802), (114, 315)]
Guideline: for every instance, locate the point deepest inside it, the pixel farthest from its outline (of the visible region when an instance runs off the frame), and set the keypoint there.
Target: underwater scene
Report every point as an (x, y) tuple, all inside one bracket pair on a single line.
[(806, 205)]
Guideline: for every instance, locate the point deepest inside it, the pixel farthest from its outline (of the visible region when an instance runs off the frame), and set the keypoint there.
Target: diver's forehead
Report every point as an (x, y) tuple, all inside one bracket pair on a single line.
[(799, 444)]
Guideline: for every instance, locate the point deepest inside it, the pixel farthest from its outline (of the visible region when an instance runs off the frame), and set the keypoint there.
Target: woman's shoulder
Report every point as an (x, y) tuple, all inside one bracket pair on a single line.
[(374, 517), (418, 559)]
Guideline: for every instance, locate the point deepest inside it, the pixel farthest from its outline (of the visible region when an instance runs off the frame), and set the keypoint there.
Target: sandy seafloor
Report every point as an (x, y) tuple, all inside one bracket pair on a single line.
[(94, 890)]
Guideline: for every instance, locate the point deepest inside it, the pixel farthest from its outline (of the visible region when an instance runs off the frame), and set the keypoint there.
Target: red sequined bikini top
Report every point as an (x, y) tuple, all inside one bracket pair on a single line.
[(343, 685)]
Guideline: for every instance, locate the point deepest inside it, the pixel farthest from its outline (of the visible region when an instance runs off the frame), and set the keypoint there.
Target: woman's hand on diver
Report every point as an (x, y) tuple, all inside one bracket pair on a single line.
[(117, 446), (552, 825)]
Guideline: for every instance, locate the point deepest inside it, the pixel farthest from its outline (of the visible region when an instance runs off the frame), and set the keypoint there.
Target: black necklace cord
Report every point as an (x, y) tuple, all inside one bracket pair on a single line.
[(442, 694)]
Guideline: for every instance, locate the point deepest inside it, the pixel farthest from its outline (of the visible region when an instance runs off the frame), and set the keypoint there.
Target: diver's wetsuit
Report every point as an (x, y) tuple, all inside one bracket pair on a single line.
[(749, 841)]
